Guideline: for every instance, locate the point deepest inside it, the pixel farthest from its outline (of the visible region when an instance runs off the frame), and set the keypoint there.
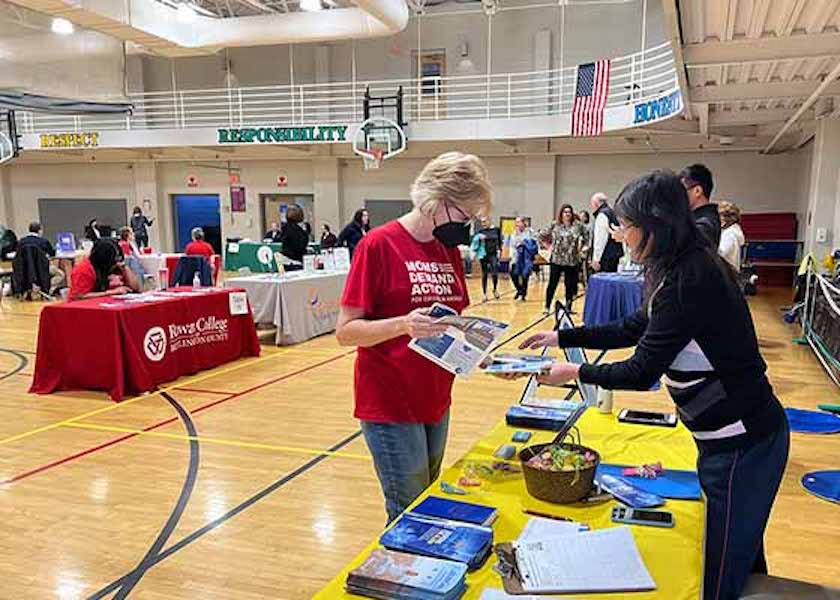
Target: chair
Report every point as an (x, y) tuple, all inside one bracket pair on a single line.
[(31, 268), (188, 266)]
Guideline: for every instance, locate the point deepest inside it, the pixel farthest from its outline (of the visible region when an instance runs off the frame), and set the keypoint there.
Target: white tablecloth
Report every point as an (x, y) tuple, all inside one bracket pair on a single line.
[(302, 305)]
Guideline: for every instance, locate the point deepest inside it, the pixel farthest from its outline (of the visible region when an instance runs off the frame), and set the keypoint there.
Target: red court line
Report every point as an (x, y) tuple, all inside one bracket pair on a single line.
[(196, 410), (198, 391)]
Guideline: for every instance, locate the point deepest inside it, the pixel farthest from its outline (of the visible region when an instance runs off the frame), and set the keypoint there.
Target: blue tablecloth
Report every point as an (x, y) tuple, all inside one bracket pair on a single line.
[(611, 297)]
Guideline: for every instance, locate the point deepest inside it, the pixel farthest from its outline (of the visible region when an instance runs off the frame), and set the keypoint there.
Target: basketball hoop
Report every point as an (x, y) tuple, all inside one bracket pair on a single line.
[(373, 157), (7, 149)]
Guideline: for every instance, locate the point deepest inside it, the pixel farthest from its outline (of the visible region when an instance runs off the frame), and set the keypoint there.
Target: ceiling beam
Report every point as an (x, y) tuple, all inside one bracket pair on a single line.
[(743, 50), (672, 30), (823, 88), (752, 117), (736, 92)]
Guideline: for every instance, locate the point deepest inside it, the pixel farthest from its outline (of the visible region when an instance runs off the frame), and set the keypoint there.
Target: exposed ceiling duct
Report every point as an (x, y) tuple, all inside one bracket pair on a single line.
[(155, 25)]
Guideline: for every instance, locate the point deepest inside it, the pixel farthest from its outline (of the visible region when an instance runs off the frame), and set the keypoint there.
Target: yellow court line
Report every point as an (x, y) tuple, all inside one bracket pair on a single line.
[(117, 405), (221, 442)]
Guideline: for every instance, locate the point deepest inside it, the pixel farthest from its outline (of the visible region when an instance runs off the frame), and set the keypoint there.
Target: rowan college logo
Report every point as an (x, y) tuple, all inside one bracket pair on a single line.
[(154, 344)]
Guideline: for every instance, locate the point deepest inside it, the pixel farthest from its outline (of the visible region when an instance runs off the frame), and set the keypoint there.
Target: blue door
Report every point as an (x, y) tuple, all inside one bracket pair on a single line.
[(198, 210)]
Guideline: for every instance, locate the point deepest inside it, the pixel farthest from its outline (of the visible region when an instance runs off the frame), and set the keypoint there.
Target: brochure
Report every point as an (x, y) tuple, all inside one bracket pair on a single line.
[(464, 344), (519, 363)]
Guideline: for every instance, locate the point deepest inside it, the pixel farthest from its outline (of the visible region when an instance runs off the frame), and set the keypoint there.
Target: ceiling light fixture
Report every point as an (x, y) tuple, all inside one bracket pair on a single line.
[(62, 26), (311, 5), (186, 13)]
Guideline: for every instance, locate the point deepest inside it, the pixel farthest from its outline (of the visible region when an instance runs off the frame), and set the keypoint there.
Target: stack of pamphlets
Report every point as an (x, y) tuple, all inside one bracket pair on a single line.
[(450, 540), (552, 419), (455, 510), (519, 363), (464, 344), (394, 575)]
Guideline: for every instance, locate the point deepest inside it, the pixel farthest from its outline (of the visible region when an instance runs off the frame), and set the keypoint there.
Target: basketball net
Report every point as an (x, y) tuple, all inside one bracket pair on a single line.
[(373, 157)]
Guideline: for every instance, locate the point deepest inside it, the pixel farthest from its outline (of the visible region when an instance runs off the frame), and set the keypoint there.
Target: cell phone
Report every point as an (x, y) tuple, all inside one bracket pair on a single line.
[(521, 436), (642, 516), (642, 417)]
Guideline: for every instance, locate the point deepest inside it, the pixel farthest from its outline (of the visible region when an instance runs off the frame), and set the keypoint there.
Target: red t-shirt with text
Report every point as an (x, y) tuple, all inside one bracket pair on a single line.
[(391, 275)]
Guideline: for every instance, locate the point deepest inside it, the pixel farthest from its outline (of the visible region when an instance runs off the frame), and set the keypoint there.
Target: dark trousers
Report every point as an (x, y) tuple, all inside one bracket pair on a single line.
[(609, 265), (570, 281), (740, 488), (520, 282), (489, 265), (142, 241)]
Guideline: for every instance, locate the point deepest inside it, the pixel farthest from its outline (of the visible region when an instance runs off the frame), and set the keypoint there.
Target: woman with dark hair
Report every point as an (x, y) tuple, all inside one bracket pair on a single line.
[(103, 273), (328, 239), (566, 240), (355, 230), (139, 224), (294, 237), (696, 332), (92, 231), (486, 244)]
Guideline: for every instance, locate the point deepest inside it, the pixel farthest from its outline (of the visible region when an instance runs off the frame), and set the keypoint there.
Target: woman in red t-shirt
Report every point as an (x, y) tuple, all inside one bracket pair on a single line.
[(103, 273), (198, 247), (398, 271)]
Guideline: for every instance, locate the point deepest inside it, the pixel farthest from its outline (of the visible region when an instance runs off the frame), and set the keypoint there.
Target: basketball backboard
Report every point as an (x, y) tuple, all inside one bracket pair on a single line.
[(377, 139)]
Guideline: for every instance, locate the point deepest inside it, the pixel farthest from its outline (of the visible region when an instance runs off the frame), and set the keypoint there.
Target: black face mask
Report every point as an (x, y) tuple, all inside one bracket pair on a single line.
[(453, 233)]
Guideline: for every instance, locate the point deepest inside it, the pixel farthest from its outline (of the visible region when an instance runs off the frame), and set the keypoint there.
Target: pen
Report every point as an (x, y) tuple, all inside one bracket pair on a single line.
[(544, 515)]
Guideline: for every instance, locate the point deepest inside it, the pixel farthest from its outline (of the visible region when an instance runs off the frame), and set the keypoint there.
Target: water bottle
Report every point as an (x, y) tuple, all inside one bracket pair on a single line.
[(196, 280)]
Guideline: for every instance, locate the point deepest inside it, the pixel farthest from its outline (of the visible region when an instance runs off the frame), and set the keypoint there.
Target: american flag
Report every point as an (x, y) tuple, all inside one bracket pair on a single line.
[(593, 82)]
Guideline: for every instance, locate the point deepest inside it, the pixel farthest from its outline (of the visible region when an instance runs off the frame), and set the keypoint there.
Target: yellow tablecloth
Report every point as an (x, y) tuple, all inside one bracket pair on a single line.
[(674, 557)]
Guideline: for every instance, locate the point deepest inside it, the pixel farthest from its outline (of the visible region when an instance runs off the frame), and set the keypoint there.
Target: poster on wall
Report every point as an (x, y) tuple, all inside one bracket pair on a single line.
[(237, 199)]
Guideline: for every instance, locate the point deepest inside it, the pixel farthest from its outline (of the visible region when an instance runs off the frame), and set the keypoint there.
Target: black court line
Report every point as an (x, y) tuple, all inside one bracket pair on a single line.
[(129, 581), (23, 362), (198, 533)]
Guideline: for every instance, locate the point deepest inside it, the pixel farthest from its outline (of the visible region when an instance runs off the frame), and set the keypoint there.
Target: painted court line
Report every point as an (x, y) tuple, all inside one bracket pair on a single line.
[(163, 423), (198, 391), (220, 441), (130, 401)]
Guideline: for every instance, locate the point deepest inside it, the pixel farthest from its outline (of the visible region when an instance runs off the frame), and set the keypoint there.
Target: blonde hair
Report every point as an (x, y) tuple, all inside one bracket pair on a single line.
[(729, 211), (456, 178)]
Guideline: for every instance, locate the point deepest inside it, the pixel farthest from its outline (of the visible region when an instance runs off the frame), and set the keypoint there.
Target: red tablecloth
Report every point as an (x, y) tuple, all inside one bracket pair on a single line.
[(129, 348)]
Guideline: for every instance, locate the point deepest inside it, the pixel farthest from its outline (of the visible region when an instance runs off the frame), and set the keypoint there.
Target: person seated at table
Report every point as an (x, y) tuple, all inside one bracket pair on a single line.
[(198, 247), (103, 273), (695, 331), (34, 238), (328, 239), (273, 234), (294, 237), (127, 243)]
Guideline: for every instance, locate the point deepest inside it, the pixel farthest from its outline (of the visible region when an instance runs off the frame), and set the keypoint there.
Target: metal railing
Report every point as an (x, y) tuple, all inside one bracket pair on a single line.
[(633, 78)]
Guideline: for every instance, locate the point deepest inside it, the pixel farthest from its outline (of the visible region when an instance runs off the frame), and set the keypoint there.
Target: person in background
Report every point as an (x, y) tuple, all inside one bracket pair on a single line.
[(521, 248), (486, 244), (467, 256), (586, 250), (328, 239), (695, 331), (566, 239), (92, 231), (34, 238), (399, 270), (699, 184), (731, 235), (127, 241), (198, 247), (355, 230), (103, 273), (139, 223), (294, 237), (606, 250), (273, 233)]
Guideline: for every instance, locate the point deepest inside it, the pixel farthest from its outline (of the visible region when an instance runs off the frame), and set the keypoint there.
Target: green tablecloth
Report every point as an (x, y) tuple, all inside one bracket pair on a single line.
[(256, 256)]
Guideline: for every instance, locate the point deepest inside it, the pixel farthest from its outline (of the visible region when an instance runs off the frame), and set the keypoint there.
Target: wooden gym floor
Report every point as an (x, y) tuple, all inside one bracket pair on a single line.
[(252, 481)]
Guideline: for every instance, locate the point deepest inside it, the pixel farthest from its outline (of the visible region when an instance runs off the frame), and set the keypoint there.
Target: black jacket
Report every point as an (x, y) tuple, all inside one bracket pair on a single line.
[(708, 222), (350, 236), (328, 241), (699, 333), (613, 250), (294, 240), (30, 266), (187, 267), (273, 235), (139, 224)]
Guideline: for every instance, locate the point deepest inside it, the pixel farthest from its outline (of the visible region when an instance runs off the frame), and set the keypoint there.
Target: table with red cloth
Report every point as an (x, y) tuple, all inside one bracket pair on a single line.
[(129, 345)]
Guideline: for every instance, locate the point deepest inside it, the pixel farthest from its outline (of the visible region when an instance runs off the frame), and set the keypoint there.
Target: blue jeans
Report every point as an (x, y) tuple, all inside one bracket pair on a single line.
[(740, 488), (407, 458)]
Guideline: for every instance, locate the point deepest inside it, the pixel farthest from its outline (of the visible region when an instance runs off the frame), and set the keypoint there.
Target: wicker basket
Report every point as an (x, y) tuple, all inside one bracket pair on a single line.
[(558, 486)]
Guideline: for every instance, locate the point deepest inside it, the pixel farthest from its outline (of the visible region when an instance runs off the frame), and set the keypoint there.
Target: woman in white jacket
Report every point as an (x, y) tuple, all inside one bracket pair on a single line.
[(731, 235)]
